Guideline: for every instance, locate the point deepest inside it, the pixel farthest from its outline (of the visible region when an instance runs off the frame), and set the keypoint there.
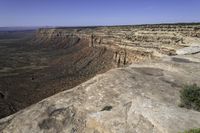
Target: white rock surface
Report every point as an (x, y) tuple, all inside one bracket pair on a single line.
[(188, 50)]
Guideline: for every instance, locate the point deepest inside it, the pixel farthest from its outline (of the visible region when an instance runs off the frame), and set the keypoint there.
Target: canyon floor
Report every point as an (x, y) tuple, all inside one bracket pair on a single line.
[(101, 79), (31, 73)]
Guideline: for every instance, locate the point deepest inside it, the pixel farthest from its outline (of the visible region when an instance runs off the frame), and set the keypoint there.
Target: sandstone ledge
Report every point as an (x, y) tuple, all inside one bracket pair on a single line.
[(143, 97)]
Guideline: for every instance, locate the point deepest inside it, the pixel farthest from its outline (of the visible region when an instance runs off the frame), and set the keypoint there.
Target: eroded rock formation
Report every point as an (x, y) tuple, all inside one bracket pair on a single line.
[(128, 43), (140, 98), (143, 97)]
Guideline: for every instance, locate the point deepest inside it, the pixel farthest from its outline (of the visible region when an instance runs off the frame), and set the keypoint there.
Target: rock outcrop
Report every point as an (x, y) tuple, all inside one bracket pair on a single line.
[(143, 97), (128, 43), (188, 50), (140, 98), (160, 37)]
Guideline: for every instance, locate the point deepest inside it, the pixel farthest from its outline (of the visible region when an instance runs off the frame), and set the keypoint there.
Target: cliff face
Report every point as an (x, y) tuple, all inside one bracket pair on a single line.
[(129, 43), (140, 98)]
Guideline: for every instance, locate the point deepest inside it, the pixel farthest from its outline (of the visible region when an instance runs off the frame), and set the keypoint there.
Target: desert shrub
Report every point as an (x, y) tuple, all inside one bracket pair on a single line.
[(190, 97), (193, 131), (107, 108)]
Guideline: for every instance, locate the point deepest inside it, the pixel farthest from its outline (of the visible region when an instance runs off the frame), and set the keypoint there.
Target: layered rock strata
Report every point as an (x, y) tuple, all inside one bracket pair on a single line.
[(129, 43), (142, 97)]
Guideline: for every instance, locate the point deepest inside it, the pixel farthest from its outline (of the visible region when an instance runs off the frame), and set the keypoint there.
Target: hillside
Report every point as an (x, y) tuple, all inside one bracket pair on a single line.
[(150, 65)]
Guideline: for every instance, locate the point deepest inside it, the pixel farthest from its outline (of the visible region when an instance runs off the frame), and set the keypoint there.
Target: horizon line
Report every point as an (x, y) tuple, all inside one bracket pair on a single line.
[(60, 26)]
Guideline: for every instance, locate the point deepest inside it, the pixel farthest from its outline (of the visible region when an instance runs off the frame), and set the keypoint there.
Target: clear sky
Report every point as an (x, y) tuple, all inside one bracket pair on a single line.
[(96, 12)]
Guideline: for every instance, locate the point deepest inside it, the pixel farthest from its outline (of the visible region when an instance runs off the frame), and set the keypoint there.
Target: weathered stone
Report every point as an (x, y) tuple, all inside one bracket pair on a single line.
[(157, 39), (143, 98), (188, 50)]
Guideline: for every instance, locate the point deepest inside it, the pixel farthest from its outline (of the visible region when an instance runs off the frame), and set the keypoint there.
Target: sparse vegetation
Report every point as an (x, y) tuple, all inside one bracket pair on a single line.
[(190, 97), (193, 131), (107, 108)]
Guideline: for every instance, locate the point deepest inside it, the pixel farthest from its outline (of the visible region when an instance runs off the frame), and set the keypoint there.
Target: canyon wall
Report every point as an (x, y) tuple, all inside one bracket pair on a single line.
[(143, 97), (128, 43)]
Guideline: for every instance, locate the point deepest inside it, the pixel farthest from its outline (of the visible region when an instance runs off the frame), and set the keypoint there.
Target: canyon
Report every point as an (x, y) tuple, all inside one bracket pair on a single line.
[(106, 79)]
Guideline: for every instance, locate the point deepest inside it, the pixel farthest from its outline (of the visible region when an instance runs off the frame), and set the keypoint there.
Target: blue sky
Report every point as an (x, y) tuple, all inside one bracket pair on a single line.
[(96, 12)]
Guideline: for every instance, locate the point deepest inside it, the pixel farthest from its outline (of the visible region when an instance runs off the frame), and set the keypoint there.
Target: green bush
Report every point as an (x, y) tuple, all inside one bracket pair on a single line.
[(190, 97), (193, 131)]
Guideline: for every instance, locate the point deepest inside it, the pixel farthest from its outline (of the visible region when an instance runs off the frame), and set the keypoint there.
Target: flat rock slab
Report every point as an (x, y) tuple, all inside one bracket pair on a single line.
[(188, 50)]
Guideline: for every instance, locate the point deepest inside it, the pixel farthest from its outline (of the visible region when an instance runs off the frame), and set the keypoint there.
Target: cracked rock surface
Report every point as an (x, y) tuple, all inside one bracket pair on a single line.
[(141, 98)]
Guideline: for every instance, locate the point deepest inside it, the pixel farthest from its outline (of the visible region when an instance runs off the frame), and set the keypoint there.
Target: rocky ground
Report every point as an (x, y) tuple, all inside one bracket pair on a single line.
[(142, 95)]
